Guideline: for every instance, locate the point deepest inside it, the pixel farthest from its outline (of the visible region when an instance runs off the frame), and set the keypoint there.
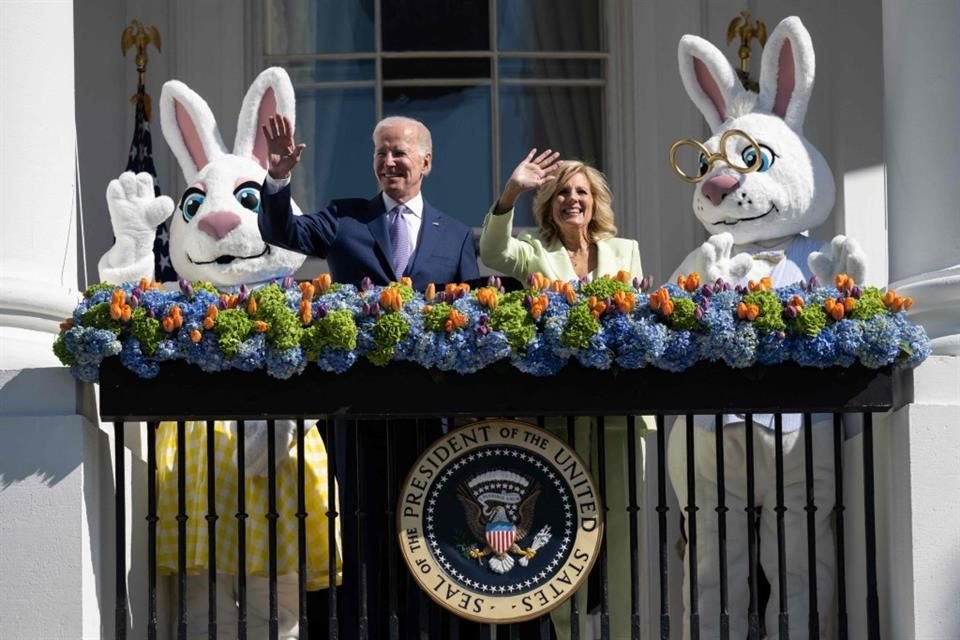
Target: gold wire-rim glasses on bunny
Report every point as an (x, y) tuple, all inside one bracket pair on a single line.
[(713, 158)]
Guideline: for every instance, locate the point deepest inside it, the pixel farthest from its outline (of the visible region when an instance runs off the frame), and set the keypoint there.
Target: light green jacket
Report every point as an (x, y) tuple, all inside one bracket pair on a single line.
[(526, 254)]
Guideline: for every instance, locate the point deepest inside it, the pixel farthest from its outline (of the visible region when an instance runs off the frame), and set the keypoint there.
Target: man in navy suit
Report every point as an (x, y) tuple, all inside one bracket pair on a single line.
[(394, 234), (360, 237)]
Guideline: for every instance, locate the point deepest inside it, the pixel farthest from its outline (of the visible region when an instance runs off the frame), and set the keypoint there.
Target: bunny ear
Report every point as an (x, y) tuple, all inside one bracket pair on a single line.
[(708, 78), (786, 72), (189, 128), (270, 93)]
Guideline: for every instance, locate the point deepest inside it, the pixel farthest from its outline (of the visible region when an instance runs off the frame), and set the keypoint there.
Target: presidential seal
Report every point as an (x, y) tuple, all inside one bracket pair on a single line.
[(499, 521)]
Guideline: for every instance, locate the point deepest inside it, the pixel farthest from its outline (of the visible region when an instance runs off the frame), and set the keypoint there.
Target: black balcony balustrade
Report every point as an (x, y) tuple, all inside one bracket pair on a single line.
[(406, 397)]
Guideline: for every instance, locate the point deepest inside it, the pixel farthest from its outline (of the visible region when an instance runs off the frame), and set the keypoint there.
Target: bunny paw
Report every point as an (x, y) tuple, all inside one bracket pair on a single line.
[(716, 259), (135, 212), (844, 255)]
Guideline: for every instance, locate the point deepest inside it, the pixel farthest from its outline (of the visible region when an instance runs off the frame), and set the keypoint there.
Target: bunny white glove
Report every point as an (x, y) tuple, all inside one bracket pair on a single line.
[(715, 259), (135, 213), (844, 255), (255, 444)]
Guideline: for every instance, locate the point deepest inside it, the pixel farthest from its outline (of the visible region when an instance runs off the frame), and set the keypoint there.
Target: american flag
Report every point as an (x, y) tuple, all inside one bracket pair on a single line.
[(141, 159)]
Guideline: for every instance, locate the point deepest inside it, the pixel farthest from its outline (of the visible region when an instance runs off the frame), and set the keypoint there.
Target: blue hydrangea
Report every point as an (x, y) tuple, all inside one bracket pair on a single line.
[(251, 354), (679, 352), (915, 339), (816, 351), (131, 356), (336, 360), (285, 363), (539, 359)]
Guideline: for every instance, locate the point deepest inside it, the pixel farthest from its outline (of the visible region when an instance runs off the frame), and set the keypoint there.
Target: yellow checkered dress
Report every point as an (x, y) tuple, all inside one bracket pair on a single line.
[(257, 560)]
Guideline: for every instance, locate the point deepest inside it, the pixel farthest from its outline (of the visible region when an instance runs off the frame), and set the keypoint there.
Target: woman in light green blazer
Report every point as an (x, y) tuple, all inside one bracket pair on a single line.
[(576, 237)]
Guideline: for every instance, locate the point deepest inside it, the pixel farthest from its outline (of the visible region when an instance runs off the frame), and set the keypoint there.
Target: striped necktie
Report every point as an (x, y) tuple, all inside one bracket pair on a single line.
[(400, 239)]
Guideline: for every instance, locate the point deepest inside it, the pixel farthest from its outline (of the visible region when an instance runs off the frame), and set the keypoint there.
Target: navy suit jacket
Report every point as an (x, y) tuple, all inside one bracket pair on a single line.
[(354, 237)]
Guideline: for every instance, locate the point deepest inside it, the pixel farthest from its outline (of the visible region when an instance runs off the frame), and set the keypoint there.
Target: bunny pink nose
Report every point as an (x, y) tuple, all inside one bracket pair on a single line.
[(219, 223), (717, 188)]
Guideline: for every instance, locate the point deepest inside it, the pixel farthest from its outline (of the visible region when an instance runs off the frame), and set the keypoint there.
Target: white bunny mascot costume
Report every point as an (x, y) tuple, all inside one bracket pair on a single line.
[(757, 219), (214, 237)]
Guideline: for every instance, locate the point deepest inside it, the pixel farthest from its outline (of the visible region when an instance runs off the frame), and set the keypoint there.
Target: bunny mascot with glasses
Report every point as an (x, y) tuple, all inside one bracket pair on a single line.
[(760, 186)]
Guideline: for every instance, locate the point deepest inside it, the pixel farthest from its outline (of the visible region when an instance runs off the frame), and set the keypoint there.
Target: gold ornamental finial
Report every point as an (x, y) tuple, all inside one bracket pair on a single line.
[(742, 27), (136, 35)]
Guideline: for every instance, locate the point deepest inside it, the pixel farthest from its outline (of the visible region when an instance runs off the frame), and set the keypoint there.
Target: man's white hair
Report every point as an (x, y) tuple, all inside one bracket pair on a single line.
[(425, 142)]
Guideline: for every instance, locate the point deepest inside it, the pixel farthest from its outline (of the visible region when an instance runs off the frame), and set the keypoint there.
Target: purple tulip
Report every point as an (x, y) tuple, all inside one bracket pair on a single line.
[(184, 283), (706, 291), (375, 309), (528, 300), (585, 279), (814, 283), (188, 291), (151, 313), (365, 308), (646, 283), (856, 292), (288, 282), (781, 335), (698, 313), (502, 289), (366, 284), (789, 312), (637, 282), (705, 303), (321, 311), (134, 301), (243, 294)]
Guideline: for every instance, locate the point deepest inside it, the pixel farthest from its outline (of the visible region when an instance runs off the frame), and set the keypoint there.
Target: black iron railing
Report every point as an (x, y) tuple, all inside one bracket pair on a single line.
[(411, 398)]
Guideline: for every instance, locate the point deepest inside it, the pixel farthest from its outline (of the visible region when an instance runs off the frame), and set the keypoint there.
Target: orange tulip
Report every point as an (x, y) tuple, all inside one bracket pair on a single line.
[(624, 301), (689, 283), (66, 324), (168, 325), (849, 304), (426, 309), (658, 299), (307, 291), (623, 276), (125, 313), (260, 326), (487, 297), (196, 336), (322, 283), (796, 301), (406, 281), (431, 292), (843, 282), (252, 306), (834, 309)]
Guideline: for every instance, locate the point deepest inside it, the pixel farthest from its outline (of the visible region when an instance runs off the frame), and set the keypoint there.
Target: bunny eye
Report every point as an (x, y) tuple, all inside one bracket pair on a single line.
[(704, 165), (248, 195), (190, 204), (767, 156)]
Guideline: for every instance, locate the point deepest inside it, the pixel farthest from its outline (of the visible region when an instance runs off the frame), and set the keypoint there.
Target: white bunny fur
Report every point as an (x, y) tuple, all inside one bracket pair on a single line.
[(795, 194)]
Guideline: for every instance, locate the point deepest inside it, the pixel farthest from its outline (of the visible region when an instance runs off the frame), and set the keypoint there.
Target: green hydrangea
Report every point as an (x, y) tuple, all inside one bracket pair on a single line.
[(232, 327), (100, 286), (337, 329), (581, 326), (388, 331), (145, 329), (869, 304), (437, 318), (285, 328), (406, 291), (811, 320), (512, 319), (202, 285), (604, 287), (684, 316), (99, 316), (60, 350), (771, 311)]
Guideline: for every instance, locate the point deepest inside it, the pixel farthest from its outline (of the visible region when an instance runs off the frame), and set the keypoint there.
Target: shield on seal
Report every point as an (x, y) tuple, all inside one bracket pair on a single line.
[(500, 536)]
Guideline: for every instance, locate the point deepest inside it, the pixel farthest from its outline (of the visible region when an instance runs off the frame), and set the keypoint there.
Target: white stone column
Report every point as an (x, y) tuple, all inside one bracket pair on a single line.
[(922, 126), (38, 256), (56, 509)]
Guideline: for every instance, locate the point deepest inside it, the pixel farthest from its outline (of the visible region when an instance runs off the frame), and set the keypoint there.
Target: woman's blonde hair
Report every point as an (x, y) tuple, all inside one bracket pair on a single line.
[(602, 224)]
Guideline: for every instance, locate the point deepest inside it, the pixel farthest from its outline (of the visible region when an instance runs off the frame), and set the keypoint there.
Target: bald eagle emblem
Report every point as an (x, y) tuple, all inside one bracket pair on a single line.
[(499, 507)]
